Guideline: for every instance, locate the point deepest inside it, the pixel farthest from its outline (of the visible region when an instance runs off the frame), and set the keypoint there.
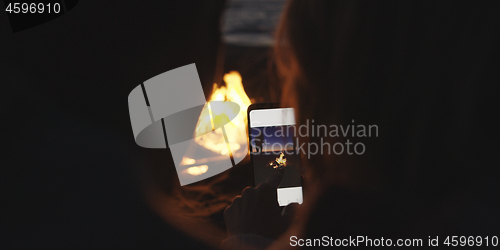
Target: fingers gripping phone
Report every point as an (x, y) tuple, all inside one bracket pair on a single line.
[(271, 131)]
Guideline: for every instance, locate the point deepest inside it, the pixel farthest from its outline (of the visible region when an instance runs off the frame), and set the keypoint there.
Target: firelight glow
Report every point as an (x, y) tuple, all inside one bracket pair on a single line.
[(281, 160), (197, 170), (235, 129), (187, 161)]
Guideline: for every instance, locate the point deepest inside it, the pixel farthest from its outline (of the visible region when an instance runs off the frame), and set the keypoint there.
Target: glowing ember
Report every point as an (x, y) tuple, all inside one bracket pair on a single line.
[(235, 129), (187, 161), (197, 170), (280, 162)]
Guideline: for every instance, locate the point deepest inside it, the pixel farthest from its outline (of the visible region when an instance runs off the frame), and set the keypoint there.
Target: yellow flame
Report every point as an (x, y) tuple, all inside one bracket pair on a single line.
[(187, 161), (235, 129), (197, 170), (281, 160)]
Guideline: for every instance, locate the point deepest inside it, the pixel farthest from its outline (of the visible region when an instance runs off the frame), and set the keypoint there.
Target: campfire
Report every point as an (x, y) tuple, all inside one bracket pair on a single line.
[(279, 163), (235, 129)]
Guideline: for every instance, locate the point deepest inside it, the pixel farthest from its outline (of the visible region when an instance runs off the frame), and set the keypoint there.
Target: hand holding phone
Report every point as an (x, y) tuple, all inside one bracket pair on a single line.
[(256, 211), (271, 131)]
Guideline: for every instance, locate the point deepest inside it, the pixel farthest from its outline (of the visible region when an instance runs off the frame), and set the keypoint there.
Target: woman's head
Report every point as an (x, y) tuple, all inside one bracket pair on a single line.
[(418, 71)]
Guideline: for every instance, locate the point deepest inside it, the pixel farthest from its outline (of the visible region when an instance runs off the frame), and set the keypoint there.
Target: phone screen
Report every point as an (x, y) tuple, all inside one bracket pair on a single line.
[(272, 146)]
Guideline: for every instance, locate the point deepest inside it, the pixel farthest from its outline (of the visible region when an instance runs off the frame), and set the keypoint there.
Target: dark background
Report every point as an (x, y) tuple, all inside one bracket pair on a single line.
[(72, 175)]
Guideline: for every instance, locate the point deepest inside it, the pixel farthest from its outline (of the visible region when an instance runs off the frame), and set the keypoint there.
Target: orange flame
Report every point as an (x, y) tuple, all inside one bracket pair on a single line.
[(208, 120), (281, 161), (197, 170), (235, 129)]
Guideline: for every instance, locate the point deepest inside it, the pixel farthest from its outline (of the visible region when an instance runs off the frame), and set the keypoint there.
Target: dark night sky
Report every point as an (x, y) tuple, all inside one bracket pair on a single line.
[(273, 136)]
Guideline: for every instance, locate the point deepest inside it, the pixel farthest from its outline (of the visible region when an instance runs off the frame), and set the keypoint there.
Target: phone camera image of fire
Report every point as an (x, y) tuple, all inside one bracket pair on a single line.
[(279, 162)]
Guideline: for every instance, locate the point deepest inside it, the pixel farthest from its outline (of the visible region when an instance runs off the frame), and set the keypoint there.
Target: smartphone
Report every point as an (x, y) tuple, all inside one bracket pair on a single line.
[(272, 144)]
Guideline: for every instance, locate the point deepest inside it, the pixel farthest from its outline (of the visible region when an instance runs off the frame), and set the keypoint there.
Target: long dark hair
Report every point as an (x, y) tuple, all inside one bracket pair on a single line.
[(423, 72)]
